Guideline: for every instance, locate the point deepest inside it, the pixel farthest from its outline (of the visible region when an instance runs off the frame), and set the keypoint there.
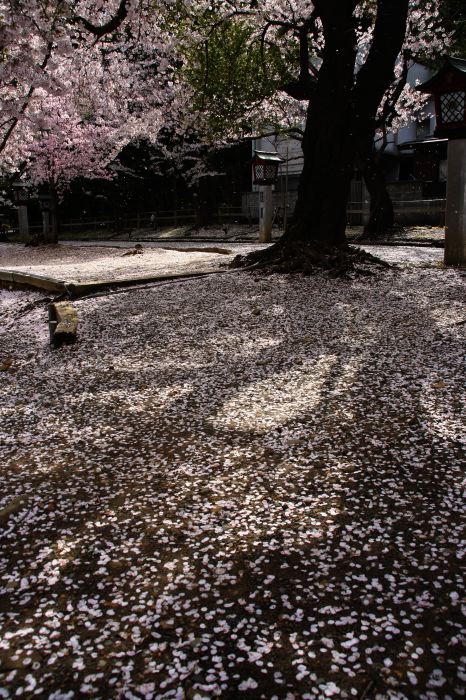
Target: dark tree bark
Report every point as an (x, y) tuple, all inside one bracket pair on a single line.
[(101, 30), (50, 217), (320, 213), (340, 123), (53, 214), (381, 215)]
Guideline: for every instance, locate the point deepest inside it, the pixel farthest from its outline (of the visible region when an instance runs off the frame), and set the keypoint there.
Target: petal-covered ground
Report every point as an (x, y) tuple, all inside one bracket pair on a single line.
[(109, 262), (237, 486)]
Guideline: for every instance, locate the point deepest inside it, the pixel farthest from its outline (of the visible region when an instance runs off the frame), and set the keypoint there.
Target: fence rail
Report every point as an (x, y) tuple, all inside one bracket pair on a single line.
[(409, 211), (431, 211)]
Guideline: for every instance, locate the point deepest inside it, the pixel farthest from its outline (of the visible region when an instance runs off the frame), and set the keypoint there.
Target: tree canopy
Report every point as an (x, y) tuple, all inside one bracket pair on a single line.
[(78, 80)]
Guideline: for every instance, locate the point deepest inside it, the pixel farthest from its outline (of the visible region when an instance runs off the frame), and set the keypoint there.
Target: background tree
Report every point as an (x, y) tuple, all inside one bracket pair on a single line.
[(427, 38), (287, 65), (79, 79), (400, 106), (121, 67)]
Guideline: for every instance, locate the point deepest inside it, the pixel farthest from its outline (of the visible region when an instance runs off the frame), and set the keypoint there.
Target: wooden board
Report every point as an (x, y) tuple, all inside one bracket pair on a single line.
[(63, 323)]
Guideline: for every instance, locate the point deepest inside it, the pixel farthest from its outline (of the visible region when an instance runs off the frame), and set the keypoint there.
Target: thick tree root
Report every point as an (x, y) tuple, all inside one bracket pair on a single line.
[(286, 257)]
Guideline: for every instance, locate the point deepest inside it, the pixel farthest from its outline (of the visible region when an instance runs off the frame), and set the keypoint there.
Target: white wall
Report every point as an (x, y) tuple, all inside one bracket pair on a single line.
[(417, 74)]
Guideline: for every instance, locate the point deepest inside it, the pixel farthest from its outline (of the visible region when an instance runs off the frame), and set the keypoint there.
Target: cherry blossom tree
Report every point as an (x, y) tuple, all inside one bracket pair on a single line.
[(68, 149), (84, 77), (80, 79), (427, 38), (350, 65)]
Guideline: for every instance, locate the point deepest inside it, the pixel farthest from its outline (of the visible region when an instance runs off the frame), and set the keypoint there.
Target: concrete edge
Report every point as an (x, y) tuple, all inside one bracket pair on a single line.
[(11, 278), (240, 241), (78, 289), (25, 279)]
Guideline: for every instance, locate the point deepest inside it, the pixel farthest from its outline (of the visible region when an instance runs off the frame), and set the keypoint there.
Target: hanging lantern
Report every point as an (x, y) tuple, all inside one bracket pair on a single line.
[(265, 166), (448, 88), (20, 193)]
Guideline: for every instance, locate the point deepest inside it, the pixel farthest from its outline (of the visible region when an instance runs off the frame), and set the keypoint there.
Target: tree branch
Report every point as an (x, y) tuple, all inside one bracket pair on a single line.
[(26, 100), (376, 74), (389, 106), (108, 27), (304, 87)]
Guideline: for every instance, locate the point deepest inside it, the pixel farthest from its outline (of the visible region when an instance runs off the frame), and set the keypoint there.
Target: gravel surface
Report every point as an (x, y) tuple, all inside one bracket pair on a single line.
[(237, 486)]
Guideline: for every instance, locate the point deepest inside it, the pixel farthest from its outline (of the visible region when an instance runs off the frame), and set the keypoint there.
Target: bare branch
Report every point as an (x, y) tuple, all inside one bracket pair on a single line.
[(389, 107)]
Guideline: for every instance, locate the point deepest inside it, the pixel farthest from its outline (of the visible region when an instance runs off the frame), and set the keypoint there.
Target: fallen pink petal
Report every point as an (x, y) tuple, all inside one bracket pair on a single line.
[(201, 501)]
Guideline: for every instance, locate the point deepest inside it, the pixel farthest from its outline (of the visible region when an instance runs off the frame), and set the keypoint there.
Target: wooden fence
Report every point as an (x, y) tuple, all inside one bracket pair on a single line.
[(407, 212)]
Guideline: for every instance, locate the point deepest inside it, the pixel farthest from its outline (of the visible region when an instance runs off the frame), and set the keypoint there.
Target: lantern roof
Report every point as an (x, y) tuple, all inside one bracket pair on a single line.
[(22, 183), (432, 141), (268, 155), (453, 66)]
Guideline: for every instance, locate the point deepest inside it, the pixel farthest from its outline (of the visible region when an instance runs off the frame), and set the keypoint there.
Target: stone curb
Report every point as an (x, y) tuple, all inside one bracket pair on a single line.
[(77, 289), (24, 279)]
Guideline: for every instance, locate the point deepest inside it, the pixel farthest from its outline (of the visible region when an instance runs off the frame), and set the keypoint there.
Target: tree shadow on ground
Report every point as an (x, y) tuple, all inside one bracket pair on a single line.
[(176, 522)]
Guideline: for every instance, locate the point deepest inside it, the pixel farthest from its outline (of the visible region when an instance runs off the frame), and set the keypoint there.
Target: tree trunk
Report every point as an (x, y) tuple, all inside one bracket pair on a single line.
[(320, 214), (341, 116), (53, 214), (371, 83), (51, 230), (381, 216)]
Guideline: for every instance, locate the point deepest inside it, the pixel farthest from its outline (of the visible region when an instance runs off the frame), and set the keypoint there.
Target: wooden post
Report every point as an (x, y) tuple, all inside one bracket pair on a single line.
[(265, 213), (63, 323), (455, 220), (23, 223)]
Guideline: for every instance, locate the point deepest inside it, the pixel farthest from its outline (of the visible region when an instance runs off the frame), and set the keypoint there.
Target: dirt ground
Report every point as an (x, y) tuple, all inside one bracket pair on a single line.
[(236, 486)]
